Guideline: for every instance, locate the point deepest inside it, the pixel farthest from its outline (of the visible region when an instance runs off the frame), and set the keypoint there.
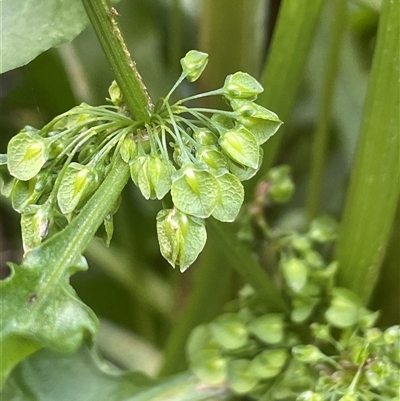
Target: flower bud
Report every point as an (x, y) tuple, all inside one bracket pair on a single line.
[(193, 64), (241, 86)]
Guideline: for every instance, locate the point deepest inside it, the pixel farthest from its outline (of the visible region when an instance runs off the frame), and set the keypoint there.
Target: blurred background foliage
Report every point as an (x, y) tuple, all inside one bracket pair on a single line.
[(145, 306)]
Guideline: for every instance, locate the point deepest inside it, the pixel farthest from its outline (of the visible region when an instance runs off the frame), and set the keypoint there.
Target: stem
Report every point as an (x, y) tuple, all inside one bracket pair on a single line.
[(283, 72), (374, 186), (322, 132), (128, 78)]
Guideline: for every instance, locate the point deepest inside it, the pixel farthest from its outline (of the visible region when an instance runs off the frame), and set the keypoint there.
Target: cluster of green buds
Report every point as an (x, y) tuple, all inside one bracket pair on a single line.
[(323, 348), (193, 159), (56, 169)]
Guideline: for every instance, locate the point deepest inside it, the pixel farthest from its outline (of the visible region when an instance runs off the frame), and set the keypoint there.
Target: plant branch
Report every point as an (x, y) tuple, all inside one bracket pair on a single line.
[(102, 17)]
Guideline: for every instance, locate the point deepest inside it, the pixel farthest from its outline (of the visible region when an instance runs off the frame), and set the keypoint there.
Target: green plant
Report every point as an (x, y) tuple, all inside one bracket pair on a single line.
[(301, 327)]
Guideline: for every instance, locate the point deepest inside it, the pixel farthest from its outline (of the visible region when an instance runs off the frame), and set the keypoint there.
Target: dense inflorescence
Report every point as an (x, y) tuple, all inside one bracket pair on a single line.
[(192, 158)]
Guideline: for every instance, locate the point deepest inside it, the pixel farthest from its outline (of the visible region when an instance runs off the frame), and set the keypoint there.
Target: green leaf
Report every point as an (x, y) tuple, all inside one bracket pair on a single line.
[(229, 331), (241, 146), (31, 27), (181, 237), (262, 122), (193, 64), (27, 152), (51, 376), (195, 191), (78, 182), (39, 308), (231, 196), (241, 85), (239, 376), (268, 328)]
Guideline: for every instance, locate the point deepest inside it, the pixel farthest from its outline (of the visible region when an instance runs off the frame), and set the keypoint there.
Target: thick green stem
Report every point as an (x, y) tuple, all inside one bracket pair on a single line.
[(374, 187), (102, 17), (283, 71), (322, 131)]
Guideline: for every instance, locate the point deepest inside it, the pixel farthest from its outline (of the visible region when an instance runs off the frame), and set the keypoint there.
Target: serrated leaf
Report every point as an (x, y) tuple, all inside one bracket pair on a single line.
[(231, 196), (195, 191), (30, 27), (52, 376), (241, 146), (39, 308), (78, 181), (181, 237), (27, 152)]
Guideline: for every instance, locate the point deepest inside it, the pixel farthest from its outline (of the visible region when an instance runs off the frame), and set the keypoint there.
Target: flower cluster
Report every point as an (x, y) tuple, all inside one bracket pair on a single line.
[(324, 348), (193, 158)]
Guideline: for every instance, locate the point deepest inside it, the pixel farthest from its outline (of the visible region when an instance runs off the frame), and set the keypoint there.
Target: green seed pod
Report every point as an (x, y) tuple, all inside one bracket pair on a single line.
[(302, 309), (116, 96), (241, 86), (205, 137), (281, 185), (195, 190), (308, 353), (244, 173), (128, 149), (211, 156), (27, 153), (241, 146), (78, 182), (35, 224), (323, 229), (309, 396), (229, 331), (257, 119), (181, 237), (221, 122), (268, 363), (321, 331), (268, 328), (295, 272), (240, 380), (193, 64), (392, 334), (209, 366), (344, 309)]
